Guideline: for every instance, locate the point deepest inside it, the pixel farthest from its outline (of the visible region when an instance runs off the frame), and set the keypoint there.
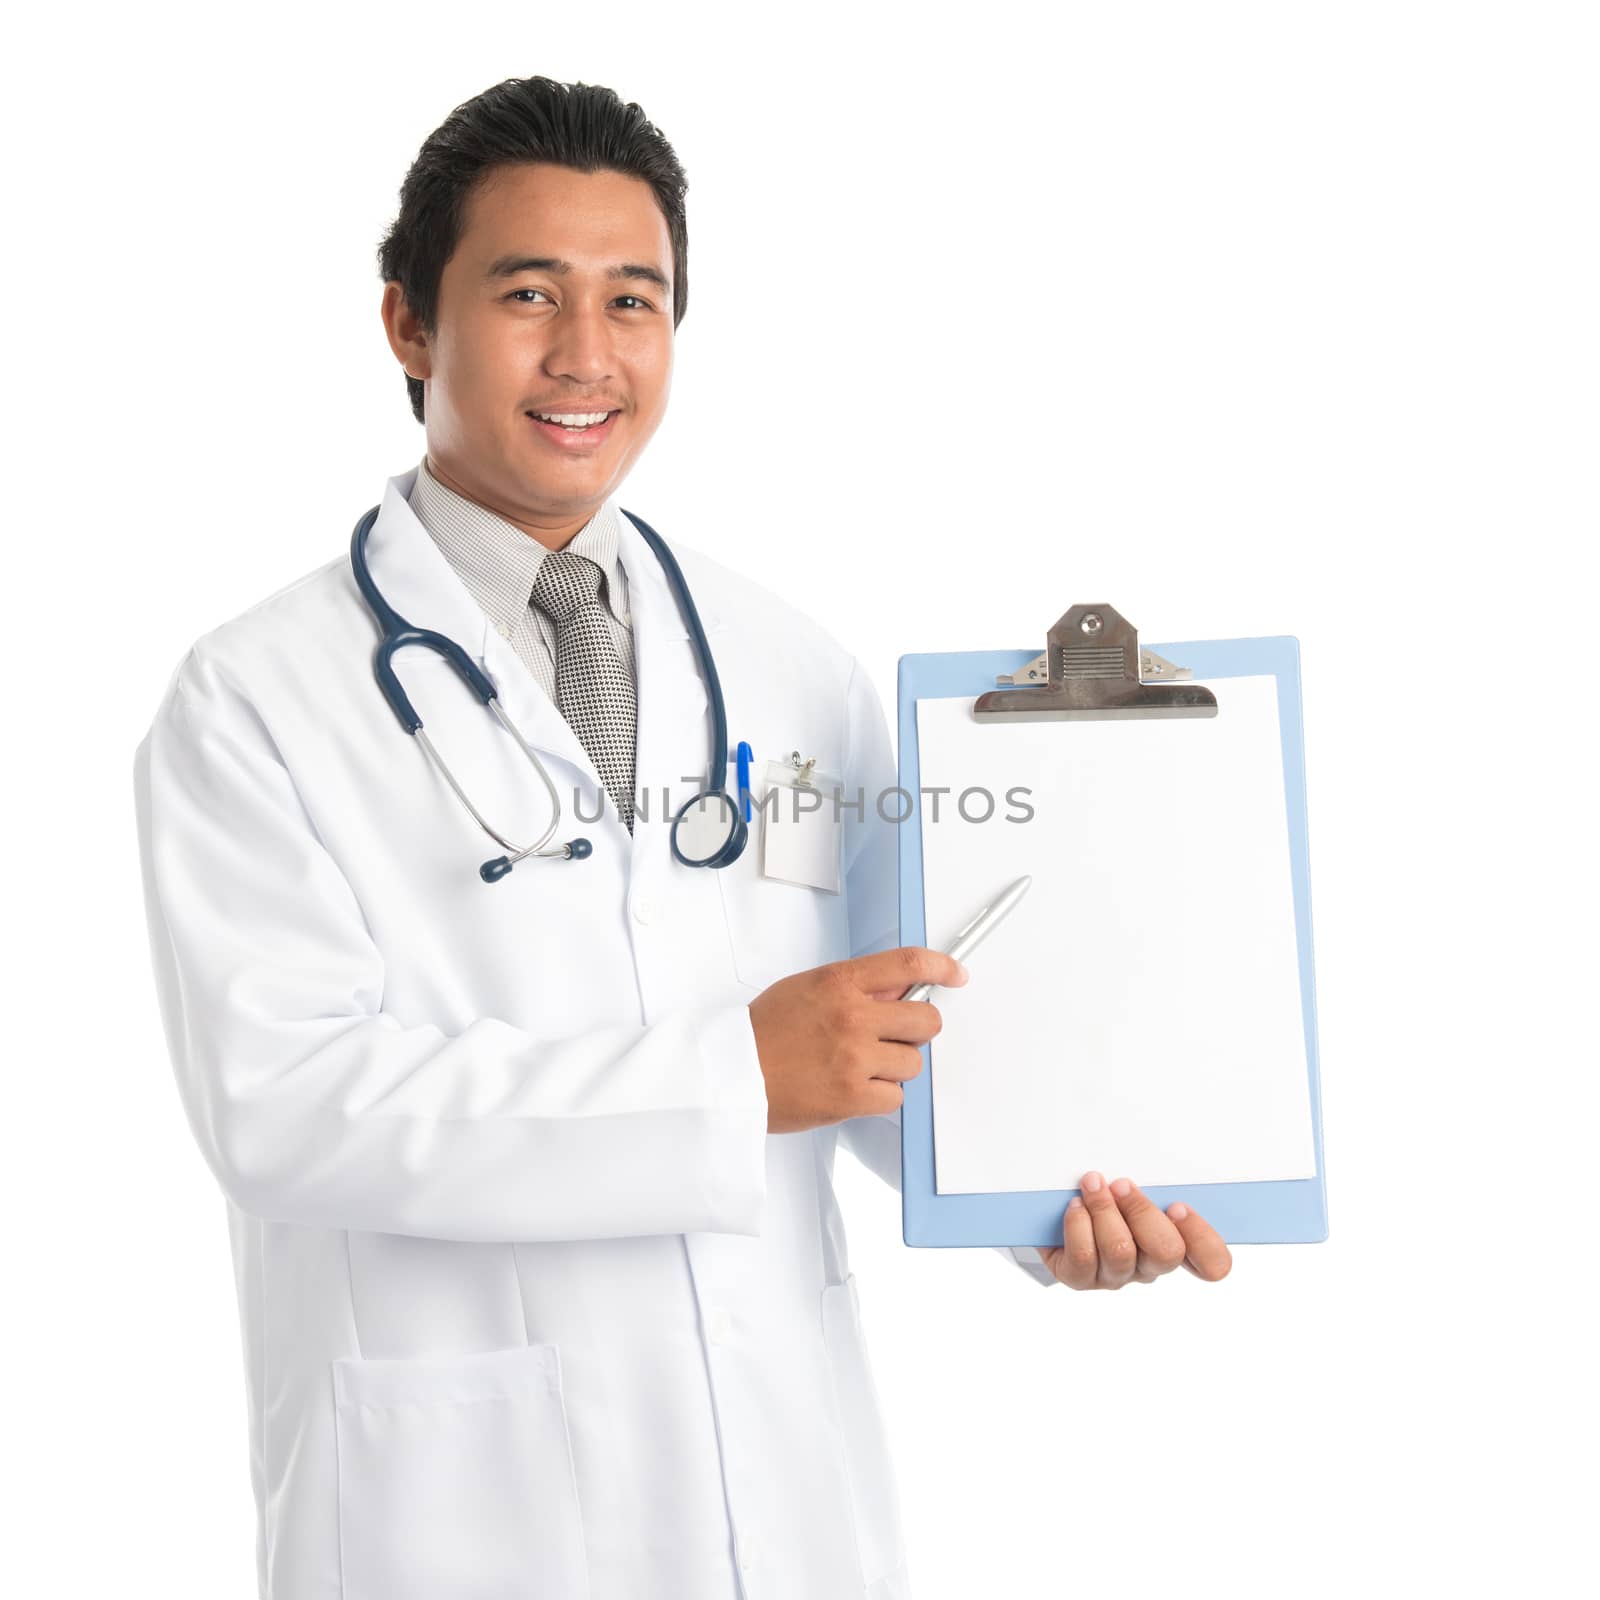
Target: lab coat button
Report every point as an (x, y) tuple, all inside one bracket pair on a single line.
[(503, 629), (719, 1325), (641, 909), (747, 1554)]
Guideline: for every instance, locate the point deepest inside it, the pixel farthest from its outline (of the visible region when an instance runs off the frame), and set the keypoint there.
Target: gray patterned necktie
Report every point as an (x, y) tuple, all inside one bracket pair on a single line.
[(593, 688)]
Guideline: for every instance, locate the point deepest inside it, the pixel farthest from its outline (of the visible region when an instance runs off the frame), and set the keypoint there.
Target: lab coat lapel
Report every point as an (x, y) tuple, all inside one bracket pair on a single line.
[(417, 579)]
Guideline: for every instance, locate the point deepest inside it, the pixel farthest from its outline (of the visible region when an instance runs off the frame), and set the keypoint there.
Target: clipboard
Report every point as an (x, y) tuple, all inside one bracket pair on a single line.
[(1093, 669)]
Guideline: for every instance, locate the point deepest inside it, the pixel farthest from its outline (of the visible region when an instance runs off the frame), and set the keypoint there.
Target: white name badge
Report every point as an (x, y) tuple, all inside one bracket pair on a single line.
[(801, 826)]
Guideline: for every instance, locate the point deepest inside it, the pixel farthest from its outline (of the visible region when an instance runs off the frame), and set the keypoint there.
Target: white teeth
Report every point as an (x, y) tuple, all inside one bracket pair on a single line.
[(573, 419)]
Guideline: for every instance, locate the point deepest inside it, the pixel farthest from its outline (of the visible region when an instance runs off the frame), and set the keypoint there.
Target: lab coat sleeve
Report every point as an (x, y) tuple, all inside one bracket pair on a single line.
[(314, 1105), (872, 884)]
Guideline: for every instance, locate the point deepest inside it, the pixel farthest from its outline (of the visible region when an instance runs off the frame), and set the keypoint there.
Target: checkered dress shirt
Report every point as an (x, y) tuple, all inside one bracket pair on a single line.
[(499, 564)]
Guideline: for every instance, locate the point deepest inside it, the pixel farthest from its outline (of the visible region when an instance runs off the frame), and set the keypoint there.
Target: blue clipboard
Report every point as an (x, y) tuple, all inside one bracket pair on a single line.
[(1282, 1212)]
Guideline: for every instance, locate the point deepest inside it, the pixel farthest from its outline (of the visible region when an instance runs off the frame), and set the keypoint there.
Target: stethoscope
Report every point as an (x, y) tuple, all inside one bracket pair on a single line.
[(708, 831)]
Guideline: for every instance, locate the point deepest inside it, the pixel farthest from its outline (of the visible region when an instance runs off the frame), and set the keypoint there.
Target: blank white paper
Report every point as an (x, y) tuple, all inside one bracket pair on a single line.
[(1139, 1013)]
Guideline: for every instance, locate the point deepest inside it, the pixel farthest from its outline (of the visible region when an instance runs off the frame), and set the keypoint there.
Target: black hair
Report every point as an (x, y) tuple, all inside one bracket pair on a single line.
[(522, 120)]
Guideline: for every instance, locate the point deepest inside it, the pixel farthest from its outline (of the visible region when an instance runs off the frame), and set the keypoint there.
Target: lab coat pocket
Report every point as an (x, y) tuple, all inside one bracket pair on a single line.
[(776, 928), (456, 1478), (879, 1536)]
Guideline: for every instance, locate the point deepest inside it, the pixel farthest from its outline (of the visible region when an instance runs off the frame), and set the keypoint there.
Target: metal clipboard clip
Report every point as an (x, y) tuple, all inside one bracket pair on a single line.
[(1093, 670)]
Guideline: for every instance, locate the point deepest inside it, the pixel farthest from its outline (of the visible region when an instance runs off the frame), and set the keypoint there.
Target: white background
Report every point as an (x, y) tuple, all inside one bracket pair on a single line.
[(1250, 319)]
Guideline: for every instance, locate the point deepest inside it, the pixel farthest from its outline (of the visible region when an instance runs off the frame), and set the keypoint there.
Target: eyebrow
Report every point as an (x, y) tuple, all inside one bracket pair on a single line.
[(510, 266)]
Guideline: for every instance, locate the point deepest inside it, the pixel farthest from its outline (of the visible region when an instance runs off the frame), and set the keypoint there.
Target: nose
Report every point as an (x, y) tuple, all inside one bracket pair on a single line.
[(580, 344)]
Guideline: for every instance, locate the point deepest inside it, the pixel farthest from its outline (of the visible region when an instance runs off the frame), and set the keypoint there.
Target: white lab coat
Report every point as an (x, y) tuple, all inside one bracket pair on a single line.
[(532, 1303)]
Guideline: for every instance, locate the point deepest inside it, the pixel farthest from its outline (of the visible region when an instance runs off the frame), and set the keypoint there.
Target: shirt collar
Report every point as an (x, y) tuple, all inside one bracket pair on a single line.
[(498, 562)]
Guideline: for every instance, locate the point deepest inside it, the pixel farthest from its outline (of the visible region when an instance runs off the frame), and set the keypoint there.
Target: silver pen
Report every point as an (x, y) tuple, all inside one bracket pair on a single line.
[(976, 931)]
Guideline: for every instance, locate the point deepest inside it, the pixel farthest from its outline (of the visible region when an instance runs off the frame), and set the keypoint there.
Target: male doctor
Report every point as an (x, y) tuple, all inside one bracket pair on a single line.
[(542, 1283)]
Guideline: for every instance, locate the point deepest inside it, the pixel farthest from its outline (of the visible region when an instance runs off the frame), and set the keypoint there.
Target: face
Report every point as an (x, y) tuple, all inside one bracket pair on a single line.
[(557, 299)]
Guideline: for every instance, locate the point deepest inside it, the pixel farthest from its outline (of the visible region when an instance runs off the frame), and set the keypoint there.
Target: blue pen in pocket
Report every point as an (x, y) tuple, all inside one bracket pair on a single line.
[(745, 756)]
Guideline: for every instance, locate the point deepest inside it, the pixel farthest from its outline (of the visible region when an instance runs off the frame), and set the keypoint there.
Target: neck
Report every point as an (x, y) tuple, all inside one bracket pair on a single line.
[(554, 533)]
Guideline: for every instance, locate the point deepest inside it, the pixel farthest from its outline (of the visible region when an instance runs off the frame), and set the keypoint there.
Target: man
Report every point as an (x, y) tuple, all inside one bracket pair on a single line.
[(542, 1283)]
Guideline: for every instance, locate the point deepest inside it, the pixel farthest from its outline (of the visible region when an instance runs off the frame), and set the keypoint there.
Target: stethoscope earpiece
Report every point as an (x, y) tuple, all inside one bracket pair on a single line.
[(572, 850)]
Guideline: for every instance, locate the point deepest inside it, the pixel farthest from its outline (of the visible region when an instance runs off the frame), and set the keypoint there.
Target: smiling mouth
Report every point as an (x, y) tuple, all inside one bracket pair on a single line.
[(573, 422), (578, 435)]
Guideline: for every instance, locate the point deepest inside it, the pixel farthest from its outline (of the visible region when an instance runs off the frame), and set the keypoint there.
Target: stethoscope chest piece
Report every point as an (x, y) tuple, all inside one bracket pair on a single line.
[(709, 831)]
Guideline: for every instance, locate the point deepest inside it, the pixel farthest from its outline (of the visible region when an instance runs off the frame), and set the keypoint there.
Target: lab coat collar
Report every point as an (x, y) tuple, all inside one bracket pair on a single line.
[(417, 579)]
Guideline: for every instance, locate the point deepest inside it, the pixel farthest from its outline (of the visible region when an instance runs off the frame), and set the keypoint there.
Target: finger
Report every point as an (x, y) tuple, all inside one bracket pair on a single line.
[(1205, 1255), (1075, 1261), (898, 969), (880, 1098), (911, 1021), (1160, 1245), (896, 1062), (1119, 1255)]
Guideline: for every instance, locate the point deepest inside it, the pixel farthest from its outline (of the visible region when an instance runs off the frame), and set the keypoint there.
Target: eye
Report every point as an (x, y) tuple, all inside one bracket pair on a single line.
[(515, 292), (636, 300)]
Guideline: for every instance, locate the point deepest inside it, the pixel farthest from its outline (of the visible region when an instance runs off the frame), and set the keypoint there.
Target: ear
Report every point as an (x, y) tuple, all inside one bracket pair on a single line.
[(405, 333)]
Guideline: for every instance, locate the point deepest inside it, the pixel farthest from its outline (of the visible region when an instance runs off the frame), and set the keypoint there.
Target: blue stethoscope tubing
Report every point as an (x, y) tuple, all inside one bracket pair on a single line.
[(396, 633)]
